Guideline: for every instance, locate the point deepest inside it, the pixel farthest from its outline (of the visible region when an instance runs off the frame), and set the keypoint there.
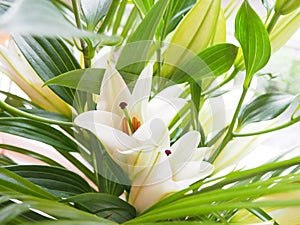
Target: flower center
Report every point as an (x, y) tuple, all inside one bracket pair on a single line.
[(168, 152), (129, 125)]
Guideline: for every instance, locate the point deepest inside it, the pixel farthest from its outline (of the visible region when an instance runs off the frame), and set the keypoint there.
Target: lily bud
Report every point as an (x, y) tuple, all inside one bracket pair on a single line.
[(284, 7)]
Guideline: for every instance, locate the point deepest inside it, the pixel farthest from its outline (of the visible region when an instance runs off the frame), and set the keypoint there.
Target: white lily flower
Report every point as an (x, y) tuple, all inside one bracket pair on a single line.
[(133, 130), (172, 169), (121, 113)]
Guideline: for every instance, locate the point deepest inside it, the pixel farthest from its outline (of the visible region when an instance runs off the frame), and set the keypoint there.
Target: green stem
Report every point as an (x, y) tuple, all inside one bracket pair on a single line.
[(296, 120), (21, 113), (229, 134), (273, 22), (109, 16), (225, 81)]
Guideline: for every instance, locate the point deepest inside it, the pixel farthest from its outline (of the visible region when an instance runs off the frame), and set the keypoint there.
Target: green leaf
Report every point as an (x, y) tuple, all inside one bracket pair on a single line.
[(105, 205), (135, 53), (49, 58), (94, 11), (88, 80), (5, 161), (264, 107), (11, 182), (175, 13), (67, 222), (112, 179), (48, 22), (192, 35), (37, 131), (57, 181), (144, 6), (254, 40), (11, 211), (29, 153), (58, 210), (46, 114), (212, 62)]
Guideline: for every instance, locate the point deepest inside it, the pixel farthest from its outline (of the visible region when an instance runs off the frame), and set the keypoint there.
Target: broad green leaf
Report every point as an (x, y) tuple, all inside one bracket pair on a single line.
[(48, 21), (264, 107), (253, 38), (57, 181), (49, 58), (37, 131), (29, 153), (284, 7), (106, 206), (192, 35), (12, 182), (135, 53), (94, 11), (212, 62), (88, 80)]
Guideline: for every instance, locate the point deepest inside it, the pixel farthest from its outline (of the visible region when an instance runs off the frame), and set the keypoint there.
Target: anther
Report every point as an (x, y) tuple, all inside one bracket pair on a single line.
[(168, 152)]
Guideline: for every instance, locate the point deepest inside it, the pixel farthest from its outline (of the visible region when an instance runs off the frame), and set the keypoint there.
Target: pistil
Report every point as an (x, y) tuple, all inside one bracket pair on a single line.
[(123, 106)]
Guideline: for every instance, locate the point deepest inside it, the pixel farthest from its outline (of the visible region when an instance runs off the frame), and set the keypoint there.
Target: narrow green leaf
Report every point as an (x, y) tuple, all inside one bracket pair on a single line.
[(29, 153), (264, 107), (48, 22), (37, 131), (212, 62), (176, 12), (88, 80), (112, 179), (11, 211), (10, 181), (94, 11), (57, 181), (253, 37), (105, 205), (49, 58), (135, 53), (67, 222), (5, 161)]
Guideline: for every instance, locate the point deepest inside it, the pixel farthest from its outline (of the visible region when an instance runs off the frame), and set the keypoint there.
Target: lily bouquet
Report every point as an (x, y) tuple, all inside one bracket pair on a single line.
[(133, 113)]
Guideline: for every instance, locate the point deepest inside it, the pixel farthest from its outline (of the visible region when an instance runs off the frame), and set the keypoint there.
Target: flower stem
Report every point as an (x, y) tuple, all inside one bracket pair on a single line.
[(229, 134), (291, 122), (225, 81), (21, 113), (273, 22)]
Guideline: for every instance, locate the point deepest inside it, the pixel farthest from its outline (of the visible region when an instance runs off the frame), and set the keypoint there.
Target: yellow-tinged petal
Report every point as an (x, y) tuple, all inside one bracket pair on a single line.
[(192, 35), (15, 66)]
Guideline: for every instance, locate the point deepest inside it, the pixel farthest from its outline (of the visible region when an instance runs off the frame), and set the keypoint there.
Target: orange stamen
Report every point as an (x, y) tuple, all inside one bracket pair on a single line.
[(135, 123), (125, 126)]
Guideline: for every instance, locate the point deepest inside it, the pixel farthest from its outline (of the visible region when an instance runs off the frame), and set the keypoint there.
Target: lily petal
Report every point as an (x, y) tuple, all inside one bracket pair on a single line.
[(113, 91), (183, 150), (192, 172), (164, 108), (141, 93), (112, 139)]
